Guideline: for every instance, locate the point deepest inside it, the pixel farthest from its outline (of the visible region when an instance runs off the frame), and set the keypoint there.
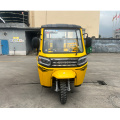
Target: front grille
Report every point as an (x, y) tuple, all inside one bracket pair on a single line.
[(64, 62)]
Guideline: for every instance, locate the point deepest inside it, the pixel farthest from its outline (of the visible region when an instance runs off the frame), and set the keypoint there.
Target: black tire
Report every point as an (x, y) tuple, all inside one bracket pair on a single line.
[(63, 92)]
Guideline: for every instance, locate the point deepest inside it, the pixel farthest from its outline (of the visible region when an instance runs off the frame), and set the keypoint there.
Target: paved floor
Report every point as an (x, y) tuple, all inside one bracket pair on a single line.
[(19, 84)]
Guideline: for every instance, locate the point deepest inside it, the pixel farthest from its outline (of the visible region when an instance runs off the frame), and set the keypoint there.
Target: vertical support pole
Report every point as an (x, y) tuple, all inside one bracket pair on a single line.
[(14, 50), (23, 18)]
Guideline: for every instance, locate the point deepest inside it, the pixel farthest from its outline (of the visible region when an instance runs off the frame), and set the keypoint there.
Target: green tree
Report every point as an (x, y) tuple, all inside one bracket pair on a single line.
[(99, 36)]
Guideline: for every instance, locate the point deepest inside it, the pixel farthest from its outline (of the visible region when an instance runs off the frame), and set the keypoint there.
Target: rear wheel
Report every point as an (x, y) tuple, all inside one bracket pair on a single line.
[(63, 92)]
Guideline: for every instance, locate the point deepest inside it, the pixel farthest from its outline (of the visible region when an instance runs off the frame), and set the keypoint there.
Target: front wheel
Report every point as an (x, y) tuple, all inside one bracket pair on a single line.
[(63, 92)]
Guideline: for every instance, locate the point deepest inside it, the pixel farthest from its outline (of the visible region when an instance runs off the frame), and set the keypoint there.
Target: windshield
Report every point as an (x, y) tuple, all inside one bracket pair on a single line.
[(62, 41)]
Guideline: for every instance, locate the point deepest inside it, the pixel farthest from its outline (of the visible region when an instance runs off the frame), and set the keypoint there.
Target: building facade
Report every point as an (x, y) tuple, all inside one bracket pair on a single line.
[(117, 33), (16, 38), (17, 28), (89, 20)]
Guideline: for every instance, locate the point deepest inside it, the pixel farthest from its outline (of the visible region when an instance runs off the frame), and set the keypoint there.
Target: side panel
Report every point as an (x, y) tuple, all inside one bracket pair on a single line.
[(45, 77)]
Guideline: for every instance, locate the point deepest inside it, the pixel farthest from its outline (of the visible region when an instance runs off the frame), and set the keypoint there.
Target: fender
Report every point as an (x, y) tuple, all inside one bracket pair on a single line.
[(64, 74)]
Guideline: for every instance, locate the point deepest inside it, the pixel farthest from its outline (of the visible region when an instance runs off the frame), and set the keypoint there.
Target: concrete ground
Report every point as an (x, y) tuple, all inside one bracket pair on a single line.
[(20, 88)]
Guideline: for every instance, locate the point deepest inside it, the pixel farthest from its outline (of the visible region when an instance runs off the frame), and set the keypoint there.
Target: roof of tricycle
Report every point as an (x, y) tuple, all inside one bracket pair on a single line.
[(60, 26)]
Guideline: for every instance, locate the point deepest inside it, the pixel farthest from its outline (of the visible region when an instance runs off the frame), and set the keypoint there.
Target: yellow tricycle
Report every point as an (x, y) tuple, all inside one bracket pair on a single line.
[(62, 57)]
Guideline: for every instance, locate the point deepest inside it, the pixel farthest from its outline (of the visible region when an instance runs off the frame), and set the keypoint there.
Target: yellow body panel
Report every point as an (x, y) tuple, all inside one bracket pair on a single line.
[(64, 74), (46, 74)]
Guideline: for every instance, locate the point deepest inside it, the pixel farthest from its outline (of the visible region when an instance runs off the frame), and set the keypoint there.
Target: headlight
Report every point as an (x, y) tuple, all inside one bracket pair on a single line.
[(44, 61), (82, 61)]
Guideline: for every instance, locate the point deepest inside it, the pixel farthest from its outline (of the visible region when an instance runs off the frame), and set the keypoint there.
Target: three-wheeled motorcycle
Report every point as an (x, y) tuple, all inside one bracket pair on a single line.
[(62, 56)]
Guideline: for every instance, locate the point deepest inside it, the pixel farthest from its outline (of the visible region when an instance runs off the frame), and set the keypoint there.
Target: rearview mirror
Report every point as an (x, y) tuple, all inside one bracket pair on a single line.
[(88, 45), (88, 42)]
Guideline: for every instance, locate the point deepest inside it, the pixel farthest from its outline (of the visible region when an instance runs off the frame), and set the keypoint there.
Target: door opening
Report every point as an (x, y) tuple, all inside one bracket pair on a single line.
[(29, 36)]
